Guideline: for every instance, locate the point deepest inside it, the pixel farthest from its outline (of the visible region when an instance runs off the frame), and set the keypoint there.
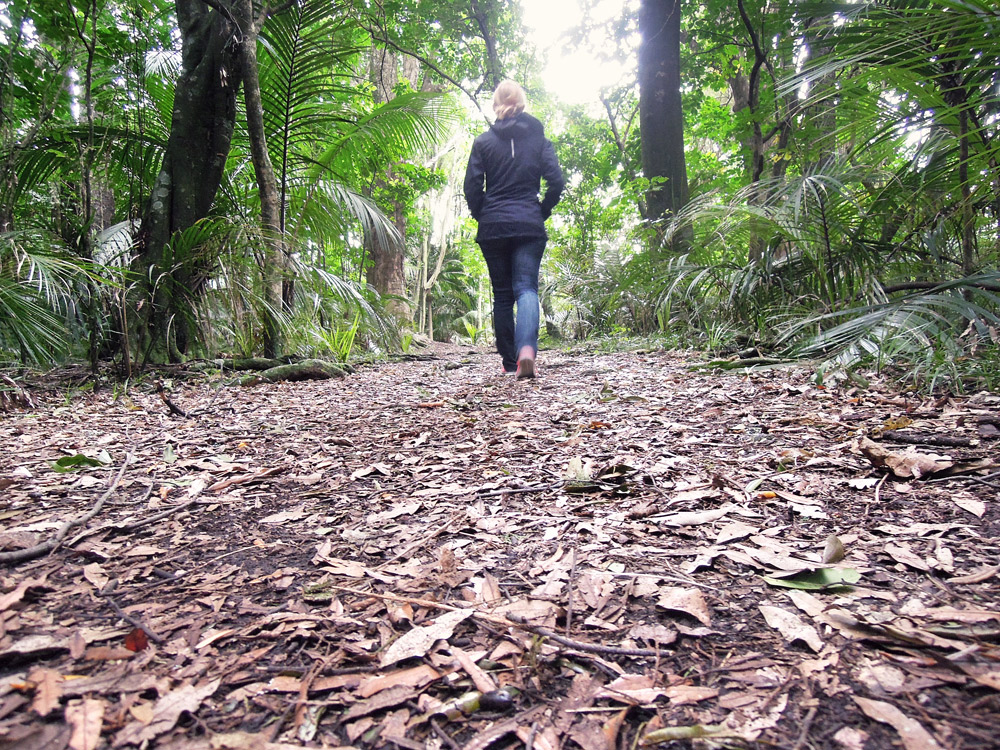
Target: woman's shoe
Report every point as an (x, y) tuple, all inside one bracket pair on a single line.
[(526, 363)]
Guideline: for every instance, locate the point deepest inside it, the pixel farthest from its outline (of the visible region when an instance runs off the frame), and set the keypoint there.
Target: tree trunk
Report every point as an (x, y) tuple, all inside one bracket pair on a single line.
[(385, 273), (201, 130), (661, 119), (273, 263), (480, 12)]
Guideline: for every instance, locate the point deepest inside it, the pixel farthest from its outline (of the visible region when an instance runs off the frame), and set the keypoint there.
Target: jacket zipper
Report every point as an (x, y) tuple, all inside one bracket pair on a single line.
[(511, 148)]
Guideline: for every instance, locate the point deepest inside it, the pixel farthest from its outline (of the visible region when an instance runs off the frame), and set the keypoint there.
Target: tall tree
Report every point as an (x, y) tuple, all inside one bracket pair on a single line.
[(661, 119), (201, 132)]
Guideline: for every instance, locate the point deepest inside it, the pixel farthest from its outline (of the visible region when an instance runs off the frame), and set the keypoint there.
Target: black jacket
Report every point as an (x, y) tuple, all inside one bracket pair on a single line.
[(512, 157)]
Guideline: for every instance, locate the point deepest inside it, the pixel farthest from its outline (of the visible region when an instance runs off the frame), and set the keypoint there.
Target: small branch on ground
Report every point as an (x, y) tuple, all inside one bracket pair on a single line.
[(134, 622), (30, 553), (174, 408), (914, 438)]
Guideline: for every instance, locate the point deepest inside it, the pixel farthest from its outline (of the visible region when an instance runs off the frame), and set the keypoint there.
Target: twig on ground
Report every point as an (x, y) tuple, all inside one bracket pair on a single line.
[(949, 441), (806, 726), (30, 553), (423, 540), (570, 586), (443, 735), (174, 408), (513, 621), (134, 622), (593, 648), (521, 490)]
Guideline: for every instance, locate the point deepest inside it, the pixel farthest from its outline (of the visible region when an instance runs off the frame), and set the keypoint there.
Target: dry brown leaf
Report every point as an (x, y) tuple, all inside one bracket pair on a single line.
[(246, 741), (107, 653), (412, 678), (901, 553), (212, 636), (95, 574), (689, 601), (693, 518), (389, 698), (483, 682), (970, 504), (850, 738), (735, 530), (612, 728), (48, 690), (419, 640), (684, 695), (86, 717), (911, 732), (633, 688), (142, 712), (166, 712), (791, 626), (907, 464), (13, 597), (489, 592), (979, 576)]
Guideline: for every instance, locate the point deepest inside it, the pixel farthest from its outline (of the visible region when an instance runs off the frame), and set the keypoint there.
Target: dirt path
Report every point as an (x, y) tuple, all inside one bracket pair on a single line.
[(341, 563)]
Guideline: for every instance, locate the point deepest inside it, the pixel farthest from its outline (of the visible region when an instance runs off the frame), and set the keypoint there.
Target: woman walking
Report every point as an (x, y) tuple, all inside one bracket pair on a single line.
[(502, 184)]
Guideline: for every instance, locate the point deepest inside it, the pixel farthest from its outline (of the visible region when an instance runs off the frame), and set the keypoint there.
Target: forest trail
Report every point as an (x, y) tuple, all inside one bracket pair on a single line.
[(628, 548)]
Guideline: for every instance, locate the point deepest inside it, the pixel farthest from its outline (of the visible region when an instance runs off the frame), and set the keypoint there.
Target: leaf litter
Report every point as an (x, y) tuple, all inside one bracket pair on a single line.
[(427, 555)]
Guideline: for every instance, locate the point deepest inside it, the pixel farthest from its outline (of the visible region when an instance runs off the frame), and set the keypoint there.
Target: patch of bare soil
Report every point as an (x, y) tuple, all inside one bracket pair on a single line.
[(427, 554)]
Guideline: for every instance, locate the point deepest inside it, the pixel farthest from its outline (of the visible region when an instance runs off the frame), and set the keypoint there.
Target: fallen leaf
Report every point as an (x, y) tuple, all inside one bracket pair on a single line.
[(791, 626), (911, 732), (907, 464), (815, 580), (635, 688), (483, 682), (833, 551), (136, 640), (693, 518), (247, 741), (970, 504), (142, 712), (683, 695), (902, 553), (95, 574), (86, 717), (107, 653), (417, 642), (48, 690), (689, 601), (286, 516), (167, 711), (978, 577), (414, 677), (850, 738)]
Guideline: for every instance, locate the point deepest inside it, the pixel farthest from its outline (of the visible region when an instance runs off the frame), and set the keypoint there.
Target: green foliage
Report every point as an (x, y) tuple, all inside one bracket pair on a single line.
[(866, 235)]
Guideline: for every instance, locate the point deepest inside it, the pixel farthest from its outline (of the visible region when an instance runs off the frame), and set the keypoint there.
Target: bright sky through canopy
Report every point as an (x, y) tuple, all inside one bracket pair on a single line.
[(574, 77)]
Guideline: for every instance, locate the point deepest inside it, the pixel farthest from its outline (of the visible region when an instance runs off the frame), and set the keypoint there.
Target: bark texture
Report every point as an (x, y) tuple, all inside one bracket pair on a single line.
[(661, 119), (201, 131)]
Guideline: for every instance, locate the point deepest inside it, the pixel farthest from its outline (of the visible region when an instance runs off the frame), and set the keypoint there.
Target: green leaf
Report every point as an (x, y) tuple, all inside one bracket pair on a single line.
[(815, 580), (79, 461)]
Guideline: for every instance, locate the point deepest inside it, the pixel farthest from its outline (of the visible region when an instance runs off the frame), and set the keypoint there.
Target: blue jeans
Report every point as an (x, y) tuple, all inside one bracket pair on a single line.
[(513, 263)]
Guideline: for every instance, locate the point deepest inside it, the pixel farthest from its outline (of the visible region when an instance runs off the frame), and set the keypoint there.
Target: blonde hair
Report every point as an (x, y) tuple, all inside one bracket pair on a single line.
[(508, 100)]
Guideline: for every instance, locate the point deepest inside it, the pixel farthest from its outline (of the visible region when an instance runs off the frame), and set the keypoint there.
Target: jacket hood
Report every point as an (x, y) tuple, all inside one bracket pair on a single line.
[(517, 127)]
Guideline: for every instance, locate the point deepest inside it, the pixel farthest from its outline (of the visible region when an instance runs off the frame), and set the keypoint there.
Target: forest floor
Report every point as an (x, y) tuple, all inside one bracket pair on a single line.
[(427, 554)]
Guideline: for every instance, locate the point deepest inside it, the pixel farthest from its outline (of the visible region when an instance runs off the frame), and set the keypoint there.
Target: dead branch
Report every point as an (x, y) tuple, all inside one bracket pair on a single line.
[(174, 409), (915, 438), (514, 621), (30, 553), (136, 623)]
